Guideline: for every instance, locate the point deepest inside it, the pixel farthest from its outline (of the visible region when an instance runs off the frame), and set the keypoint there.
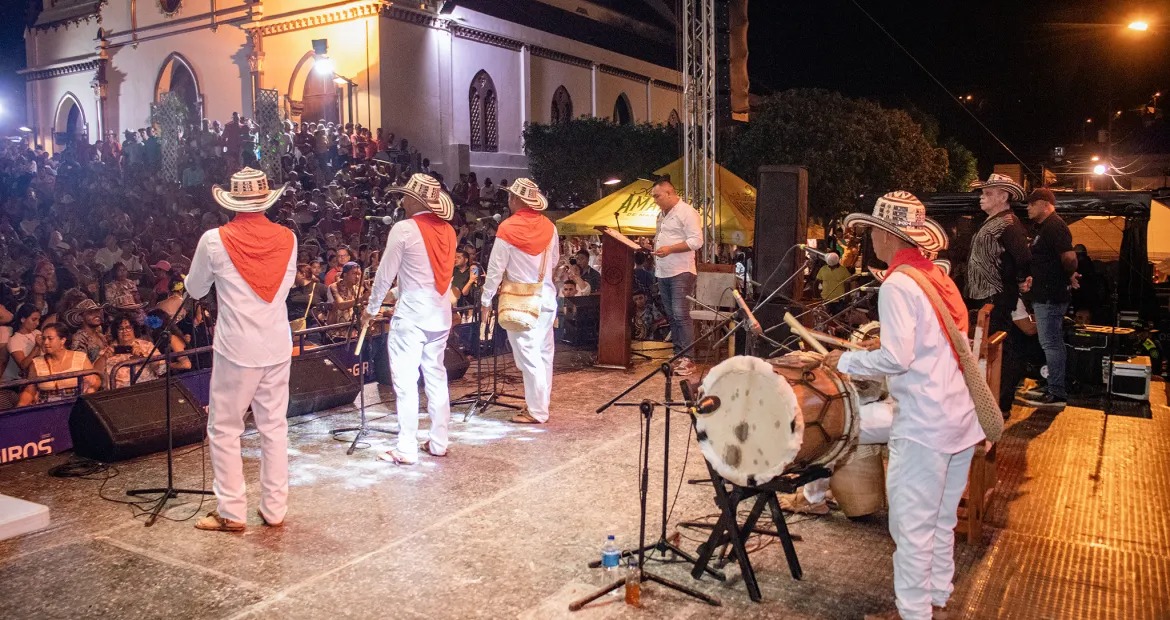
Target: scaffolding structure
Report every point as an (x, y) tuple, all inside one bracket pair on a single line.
[(698, 77)]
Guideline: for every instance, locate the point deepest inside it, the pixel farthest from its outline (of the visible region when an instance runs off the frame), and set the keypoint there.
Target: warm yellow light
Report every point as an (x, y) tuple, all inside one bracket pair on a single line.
[(1088, 120), (1139, 25), (1095, 158), (323, 65), (969, 97), (1099, 169)]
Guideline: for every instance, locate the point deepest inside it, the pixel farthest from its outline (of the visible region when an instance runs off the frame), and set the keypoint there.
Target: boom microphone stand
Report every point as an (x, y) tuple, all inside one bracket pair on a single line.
[(482, 399), (169, 491)]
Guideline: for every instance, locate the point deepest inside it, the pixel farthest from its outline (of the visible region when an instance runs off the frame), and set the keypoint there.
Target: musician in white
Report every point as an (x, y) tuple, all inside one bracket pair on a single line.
[(252, 262), (420, 254), (935, 429), (524, 242)]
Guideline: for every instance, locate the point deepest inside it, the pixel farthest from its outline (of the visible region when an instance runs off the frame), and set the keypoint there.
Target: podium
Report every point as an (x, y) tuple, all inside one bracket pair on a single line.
[(617, 299)]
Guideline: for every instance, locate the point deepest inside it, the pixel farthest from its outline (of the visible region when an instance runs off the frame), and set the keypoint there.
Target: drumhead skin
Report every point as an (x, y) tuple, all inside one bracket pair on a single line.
[(757, 430)]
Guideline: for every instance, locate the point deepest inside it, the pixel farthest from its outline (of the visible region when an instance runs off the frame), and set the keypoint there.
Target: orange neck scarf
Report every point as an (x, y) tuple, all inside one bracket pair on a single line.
[(527, 230), (947, 291), (439, 239), (260, 250)]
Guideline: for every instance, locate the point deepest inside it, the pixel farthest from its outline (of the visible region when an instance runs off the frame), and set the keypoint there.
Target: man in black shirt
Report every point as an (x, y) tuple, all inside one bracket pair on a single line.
[(464, 277), (1054, 265), (588, 274)]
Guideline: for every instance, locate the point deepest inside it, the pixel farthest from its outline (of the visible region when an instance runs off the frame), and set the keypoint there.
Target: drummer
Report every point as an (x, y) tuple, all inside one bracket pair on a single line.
[(935, 428)]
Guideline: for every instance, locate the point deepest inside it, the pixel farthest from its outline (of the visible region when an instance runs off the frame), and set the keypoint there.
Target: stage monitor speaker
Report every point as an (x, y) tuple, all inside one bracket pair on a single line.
[(454, 359), (129, 422), (317, 382), (781, 223)]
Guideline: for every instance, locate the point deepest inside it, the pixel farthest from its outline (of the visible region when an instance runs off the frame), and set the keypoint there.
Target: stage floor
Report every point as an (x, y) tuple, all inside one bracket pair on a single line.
[(505, 525)]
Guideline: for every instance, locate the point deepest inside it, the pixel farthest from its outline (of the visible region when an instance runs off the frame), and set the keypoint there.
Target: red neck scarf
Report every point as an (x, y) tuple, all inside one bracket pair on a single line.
[(439, 239), (527, 230), (260, 250), (942, 283)]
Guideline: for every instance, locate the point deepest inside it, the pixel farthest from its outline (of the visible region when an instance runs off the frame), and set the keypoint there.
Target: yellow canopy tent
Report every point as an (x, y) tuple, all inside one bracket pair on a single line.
[(633, 211)]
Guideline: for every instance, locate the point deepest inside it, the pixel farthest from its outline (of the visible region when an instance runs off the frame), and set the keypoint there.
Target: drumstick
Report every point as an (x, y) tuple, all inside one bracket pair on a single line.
[(801, 331), (835, 341)]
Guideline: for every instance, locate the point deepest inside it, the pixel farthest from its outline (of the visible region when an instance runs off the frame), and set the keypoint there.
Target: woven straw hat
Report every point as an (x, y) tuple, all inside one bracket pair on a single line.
[(426, 188), (528, 193), (249, 192), (1001, 181), (903, 215)]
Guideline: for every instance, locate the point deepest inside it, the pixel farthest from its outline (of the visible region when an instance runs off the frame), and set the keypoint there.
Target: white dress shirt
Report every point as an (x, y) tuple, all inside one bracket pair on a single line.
[(681, 224), (249, 331), (522, 267), (406, 258), (934, 407)]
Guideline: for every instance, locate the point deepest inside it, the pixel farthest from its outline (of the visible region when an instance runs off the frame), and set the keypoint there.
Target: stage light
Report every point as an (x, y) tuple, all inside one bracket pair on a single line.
[(613, 181), (1100, 169), (1139, 25), (1095, 158), (323, 65)]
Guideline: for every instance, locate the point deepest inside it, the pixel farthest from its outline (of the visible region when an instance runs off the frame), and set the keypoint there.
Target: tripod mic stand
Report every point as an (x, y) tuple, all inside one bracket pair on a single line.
[(169, 491), (362, 429), (647, 409), (481, 399)]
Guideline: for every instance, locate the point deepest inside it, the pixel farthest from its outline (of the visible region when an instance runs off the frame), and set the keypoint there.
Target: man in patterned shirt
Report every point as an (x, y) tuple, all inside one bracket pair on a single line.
[(1000, 262)]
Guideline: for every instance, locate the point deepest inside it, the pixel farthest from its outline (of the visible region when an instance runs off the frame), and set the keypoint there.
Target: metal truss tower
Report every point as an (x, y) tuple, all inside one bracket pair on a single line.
[(698, 76)]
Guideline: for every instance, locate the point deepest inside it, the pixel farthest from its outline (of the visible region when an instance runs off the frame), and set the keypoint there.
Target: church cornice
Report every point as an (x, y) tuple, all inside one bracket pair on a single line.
[(68, 14), (332, 14), (481, 36), (417, 18), (622, 73), (46, 73), (568, 59)]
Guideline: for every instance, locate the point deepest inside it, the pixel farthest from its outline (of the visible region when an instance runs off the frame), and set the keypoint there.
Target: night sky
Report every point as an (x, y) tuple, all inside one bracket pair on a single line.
[(1035, 68)]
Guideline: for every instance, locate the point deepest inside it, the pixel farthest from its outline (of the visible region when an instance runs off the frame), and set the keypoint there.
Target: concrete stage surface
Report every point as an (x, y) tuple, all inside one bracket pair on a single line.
[(504, 526)]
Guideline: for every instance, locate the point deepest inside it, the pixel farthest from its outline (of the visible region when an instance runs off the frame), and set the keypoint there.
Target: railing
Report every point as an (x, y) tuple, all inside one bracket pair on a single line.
[(80, 375)]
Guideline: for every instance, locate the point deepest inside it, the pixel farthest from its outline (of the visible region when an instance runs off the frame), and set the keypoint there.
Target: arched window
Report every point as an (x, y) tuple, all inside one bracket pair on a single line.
[(483, 107), (176, 76), (622, 113), (673, 120), (562, 106), (69, 123)]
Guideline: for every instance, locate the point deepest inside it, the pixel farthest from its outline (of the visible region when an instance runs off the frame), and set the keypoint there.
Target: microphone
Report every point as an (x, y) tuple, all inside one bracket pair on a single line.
[(385, 219), (753, 324), (812, 251), (707, 405), (495, 217)]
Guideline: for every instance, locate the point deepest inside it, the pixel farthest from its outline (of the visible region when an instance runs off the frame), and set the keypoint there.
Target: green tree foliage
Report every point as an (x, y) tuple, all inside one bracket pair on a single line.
[(850, 146), (963, 168), (568, 159)]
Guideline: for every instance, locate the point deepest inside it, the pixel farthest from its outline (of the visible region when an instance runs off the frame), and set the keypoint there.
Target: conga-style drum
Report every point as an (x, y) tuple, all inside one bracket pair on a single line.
[(829, 409)]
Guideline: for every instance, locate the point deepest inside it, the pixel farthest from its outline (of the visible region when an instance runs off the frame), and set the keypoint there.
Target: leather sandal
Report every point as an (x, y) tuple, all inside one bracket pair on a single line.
[(525, 418), (215, 523), (396, 457), (426, 447), (265, 520)]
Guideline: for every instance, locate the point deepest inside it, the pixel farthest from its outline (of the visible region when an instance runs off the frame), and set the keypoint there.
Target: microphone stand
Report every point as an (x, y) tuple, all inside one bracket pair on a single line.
[(169, 491), (362, 429)]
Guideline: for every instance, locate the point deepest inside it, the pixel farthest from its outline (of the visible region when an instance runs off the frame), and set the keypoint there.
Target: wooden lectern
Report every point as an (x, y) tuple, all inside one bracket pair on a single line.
[(617, 299)]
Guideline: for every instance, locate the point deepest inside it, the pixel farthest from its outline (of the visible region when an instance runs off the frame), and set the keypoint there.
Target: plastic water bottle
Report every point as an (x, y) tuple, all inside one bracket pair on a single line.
[(611, 558)]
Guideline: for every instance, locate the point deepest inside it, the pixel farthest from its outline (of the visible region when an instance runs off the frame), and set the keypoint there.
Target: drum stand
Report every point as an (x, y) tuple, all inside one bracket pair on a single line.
[(481, 399), (647, 409)]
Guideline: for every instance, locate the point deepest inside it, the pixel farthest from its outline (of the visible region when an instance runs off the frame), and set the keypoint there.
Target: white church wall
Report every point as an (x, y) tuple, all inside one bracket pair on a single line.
[(547, 76), (45, 101)]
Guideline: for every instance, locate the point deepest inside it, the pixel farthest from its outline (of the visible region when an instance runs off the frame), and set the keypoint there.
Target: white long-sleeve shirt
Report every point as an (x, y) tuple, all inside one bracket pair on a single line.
[(681, 224), (405, 258), (934, 407), (249, 331), (522, 267)]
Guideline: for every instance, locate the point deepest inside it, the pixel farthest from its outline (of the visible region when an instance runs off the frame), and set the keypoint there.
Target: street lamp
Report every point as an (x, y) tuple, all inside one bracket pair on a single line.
[(613, 181), (1100, 169), (1139, 25), (323, 65)]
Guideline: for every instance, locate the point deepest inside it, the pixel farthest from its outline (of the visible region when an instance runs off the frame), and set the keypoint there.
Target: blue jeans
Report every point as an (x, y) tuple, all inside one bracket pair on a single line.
[(1050, 329), (674, 291)]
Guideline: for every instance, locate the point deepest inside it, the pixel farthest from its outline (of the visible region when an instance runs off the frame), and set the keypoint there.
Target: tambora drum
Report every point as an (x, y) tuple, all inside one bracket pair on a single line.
[(829, 409)]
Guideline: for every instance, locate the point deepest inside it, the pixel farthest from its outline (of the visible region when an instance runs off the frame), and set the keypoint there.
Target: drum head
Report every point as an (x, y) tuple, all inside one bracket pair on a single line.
[(756, 432)]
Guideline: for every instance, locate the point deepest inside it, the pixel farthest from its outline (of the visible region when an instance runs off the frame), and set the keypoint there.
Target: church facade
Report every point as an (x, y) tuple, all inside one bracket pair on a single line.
[(458, 83)]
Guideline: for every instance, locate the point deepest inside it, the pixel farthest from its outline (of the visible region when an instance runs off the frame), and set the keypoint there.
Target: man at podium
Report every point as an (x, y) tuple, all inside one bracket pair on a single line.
[(679, 236)]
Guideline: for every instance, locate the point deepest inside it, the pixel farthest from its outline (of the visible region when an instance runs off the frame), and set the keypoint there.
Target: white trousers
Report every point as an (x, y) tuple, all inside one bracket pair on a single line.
[(924, 488), (233, 389), (876, 420), (412, 349), (533, 351)]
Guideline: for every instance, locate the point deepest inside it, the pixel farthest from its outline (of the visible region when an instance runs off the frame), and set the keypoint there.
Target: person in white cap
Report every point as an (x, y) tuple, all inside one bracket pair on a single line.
[(527, 249), (420, 254), (832, 277), (935, 427), (252, 263)]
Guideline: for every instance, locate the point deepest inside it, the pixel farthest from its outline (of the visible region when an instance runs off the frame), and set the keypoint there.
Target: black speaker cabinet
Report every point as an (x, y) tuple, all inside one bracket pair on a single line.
[(781, 223), (122, 424), (316, 382), (454, 359)]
